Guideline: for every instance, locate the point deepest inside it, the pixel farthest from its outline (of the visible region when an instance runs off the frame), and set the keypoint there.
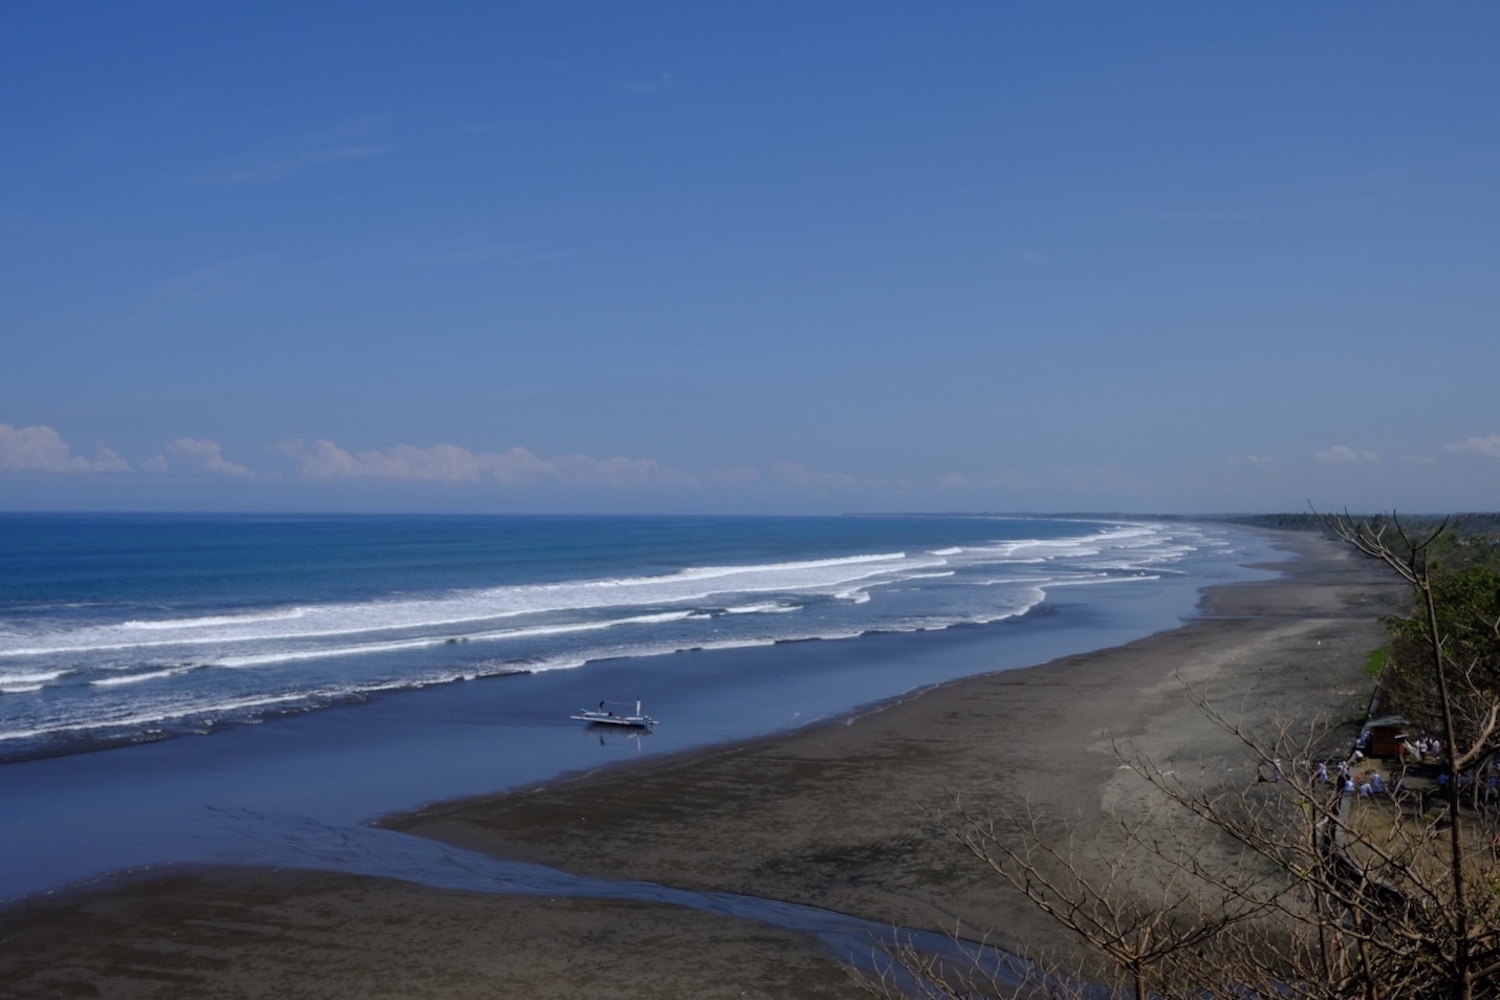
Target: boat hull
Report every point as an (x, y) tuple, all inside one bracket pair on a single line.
[(609, 719)]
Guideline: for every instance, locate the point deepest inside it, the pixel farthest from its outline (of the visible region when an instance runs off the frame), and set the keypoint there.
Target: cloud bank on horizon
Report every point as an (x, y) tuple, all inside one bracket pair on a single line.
[(780, 257), (516, 472), (42, 449)]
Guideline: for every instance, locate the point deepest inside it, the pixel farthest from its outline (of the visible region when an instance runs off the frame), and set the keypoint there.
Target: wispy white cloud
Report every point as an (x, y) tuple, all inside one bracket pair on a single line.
[(41, 449), (284, 158), (205, 456), (733, 476), (797, 475), (1343, 454), (520, 468), (446, 463), (1062, 478), (1010, 481), (284, 166), (1488, 446), (661, 83), (1255, 464), (470, 248), (277, 272), (1211, 216), (222, 280)]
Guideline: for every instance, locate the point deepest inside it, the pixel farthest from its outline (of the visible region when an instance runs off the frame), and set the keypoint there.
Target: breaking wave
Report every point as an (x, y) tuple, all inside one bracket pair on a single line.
[(96, 670)]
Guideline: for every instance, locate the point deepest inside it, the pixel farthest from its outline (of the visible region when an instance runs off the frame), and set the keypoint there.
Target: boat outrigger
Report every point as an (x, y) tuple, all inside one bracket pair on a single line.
[(604, 717)]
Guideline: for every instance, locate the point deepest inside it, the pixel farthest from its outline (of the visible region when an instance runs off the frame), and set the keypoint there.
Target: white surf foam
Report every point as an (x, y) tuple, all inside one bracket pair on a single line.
[(289, 656), (139, 678), (35, 677), (143, 720), (695, 604), (469, 607), (210, 621)]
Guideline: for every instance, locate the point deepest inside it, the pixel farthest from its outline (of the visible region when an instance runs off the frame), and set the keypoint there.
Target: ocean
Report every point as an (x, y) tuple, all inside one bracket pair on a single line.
[(181, 674)]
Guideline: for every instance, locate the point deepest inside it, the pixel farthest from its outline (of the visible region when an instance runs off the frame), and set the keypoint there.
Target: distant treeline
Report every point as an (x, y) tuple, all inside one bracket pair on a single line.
[(1284, 522), (1468, 541)]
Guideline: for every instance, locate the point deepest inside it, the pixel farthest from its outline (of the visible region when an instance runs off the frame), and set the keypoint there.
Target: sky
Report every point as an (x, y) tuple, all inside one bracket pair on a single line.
[(749, 257)]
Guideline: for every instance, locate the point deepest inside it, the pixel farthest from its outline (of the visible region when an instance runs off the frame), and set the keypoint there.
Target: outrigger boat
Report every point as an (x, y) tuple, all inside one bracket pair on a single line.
[(604, 717)]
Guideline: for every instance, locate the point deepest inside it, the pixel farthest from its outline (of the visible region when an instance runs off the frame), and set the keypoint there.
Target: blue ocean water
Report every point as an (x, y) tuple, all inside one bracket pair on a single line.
[(121, 629), (325, 660)]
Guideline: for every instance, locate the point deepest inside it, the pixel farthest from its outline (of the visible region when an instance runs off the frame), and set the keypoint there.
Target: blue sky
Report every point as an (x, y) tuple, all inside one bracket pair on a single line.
[(779, 257)]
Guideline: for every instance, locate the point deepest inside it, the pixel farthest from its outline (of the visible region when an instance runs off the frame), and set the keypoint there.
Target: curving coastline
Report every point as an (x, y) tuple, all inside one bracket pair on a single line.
[(829, 816)]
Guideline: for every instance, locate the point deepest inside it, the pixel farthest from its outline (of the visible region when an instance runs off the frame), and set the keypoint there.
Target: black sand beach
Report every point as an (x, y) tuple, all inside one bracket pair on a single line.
[(831, 816)]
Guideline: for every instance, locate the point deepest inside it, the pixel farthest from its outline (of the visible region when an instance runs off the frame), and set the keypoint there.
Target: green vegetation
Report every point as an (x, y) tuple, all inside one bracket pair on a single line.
[(1459, 613), (1453, 541), (1384, 895)]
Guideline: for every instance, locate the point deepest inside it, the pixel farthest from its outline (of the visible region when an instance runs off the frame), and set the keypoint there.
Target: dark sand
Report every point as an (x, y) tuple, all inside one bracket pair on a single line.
[(832, 816), (286, 934)]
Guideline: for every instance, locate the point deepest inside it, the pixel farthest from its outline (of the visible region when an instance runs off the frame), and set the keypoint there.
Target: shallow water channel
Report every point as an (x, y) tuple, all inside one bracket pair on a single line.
[(291, 841)]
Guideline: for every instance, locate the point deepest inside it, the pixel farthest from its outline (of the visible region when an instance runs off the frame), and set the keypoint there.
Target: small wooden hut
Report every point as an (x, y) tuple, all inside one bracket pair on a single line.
[(1383, 737)]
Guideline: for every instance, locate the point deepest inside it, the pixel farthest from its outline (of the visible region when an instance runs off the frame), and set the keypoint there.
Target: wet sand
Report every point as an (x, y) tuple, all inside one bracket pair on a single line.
[(835, 816), (288, 934)]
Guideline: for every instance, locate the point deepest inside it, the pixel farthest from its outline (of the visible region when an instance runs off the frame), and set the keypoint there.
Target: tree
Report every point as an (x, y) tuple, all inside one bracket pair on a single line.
[(1456, 625), (1310, 891)]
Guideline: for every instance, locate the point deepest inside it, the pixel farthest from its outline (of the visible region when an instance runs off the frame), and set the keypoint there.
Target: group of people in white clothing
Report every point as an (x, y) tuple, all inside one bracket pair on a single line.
[(1364, 782), (1352, 782)]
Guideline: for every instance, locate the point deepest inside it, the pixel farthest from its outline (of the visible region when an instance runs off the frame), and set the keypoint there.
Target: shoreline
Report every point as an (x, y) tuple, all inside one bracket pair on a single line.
[(1008, 738), (829, 814), (704, 752), (176, 800)]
